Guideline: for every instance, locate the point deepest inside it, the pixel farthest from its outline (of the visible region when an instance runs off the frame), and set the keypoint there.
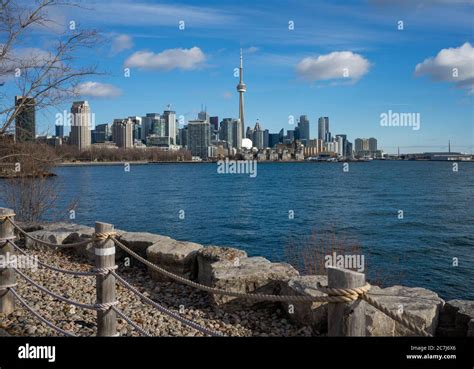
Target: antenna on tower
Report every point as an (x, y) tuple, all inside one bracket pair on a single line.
[(449, 145)]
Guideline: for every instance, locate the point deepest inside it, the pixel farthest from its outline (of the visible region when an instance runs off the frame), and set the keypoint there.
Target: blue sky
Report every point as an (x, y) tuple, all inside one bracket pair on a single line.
[(287, 72)]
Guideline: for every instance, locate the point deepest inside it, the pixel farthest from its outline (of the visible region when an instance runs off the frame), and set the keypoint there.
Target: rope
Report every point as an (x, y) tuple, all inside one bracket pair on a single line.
[(396, 317), (96, 307), (38, 316), (131, 322), (254, 296), (334, 294), (46, 243), (65, 271), (7, 286), (104, 235), (164, 310)]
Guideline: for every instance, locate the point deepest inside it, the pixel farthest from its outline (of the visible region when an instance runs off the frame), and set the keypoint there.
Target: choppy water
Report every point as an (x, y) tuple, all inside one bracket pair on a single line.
[(253, 213)]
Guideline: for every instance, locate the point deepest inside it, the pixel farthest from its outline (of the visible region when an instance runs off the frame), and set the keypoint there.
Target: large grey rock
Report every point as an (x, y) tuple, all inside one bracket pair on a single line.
[(212, 254), (55, 233), (140, 241), (457, 319), (178, 257), (419, 305), (312, 314), (251, 274)]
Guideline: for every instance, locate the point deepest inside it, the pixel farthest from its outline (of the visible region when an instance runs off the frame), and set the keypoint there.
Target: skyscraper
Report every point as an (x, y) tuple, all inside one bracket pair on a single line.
[(198, 138), (258, 137), (25, 120), (323, 128), (372, 144), (122, 133), (214, 123), (80, 135), (303, 126), (59, 130), (241, 88), (169, 117)]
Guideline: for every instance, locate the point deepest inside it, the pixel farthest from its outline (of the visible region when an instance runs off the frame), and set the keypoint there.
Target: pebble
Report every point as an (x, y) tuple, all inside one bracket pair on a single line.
[(265, 321)]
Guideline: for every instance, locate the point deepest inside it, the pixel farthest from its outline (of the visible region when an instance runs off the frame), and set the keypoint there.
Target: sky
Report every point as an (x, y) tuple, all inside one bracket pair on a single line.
[(348, 60)]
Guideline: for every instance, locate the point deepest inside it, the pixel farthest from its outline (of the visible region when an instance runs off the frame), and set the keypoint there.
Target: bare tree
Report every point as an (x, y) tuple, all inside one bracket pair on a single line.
[(47, 77)]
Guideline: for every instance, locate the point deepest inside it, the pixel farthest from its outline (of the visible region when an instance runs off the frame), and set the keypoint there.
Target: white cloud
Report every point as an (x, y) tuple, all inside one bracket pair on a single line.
[(451, 65), (168, 59), (121, 43), (97, 89), (336, 65), (227, 95), (251, 50)]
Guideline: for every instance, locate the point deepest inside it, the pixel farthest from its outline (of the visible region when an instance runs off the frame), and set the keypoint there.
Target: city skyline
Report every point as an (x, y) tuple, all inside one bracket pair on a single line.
[(291, 71)]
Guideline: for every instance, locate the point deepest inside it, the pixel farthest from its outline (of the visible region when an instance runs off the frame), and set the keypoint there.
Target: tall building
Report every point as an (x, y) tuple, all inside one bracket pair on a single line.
[(198, 138), (372, 144), (241, 88), (101, 133), (137, 127), (358, 145), (323, 128), (25, 120), (258, 136), (303, 128), (342, 139), (214, 121), (80, 135), (266, 138), (202, 115), (148, 122), (169, 118), (273, 139), (122, 133), (230, 132), (59, 130)]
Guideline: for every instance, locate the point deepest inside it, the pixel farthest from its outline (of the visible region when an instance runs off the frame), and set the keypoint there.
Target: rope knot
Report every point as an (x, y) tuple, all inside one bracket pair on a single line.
[(344, 294), (6, 217), (104, 306), (104, 235)]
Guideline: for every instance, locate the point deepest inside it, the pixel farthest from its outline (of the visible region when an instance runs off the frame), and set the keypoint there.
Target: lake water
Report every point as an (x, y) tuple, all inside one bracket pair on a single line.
[(253, 213)]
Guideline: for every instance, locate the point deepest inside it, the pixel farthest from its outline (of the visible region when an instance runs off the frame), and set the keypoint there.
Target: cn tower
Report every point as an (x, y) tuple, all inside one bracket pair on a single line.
[(241, 88)]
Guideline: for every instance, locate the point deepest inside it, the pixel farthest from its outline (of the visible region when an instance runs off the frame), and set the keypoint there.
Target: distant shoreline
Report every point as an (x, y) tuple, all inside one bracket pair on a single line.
[(115, 163)]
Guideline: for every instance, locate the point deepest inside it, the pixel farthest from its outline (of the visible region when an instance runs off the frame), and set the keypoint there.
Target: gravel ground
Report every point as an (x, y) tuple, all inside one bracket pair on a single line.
[(264, 321)]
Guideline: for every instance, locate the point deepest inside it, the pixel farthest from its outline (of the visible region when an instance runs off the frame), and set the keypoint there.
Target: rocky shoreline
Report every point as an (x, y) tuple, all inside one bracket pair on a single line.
[(222, 267)]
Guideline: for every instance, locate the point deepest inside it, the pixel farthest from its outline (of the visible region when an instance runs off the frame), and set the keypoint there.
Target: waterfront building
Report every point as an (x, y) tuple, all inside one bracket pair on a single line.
[(59, 130), (273, 139), (122, 133), (80, 135), (101, 133), (198, 136), (214, 121), (372, 143), (148, 122), (323, 128), (169, 119), (25, 120), (183, 136), (303, 130), (241, 88), (257, 136), (266, 138)]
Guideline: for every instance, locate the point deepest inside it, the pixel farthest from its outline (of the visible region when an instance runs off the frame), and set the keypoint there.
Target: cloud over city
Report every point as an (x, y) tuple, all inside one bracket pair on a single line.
[(98, 90), (121, 43), (186, 59), (336, 65), (451, 65)]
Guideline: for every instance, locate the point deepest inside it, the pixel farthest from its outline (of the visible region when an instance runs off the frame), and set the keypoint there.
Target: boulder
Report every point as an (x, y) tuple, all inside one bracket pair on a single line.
[(419, 305), (56, 237), (212, 254), (140, 241), (251, 274), (312, 314), (178, 257), (456, 319)]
